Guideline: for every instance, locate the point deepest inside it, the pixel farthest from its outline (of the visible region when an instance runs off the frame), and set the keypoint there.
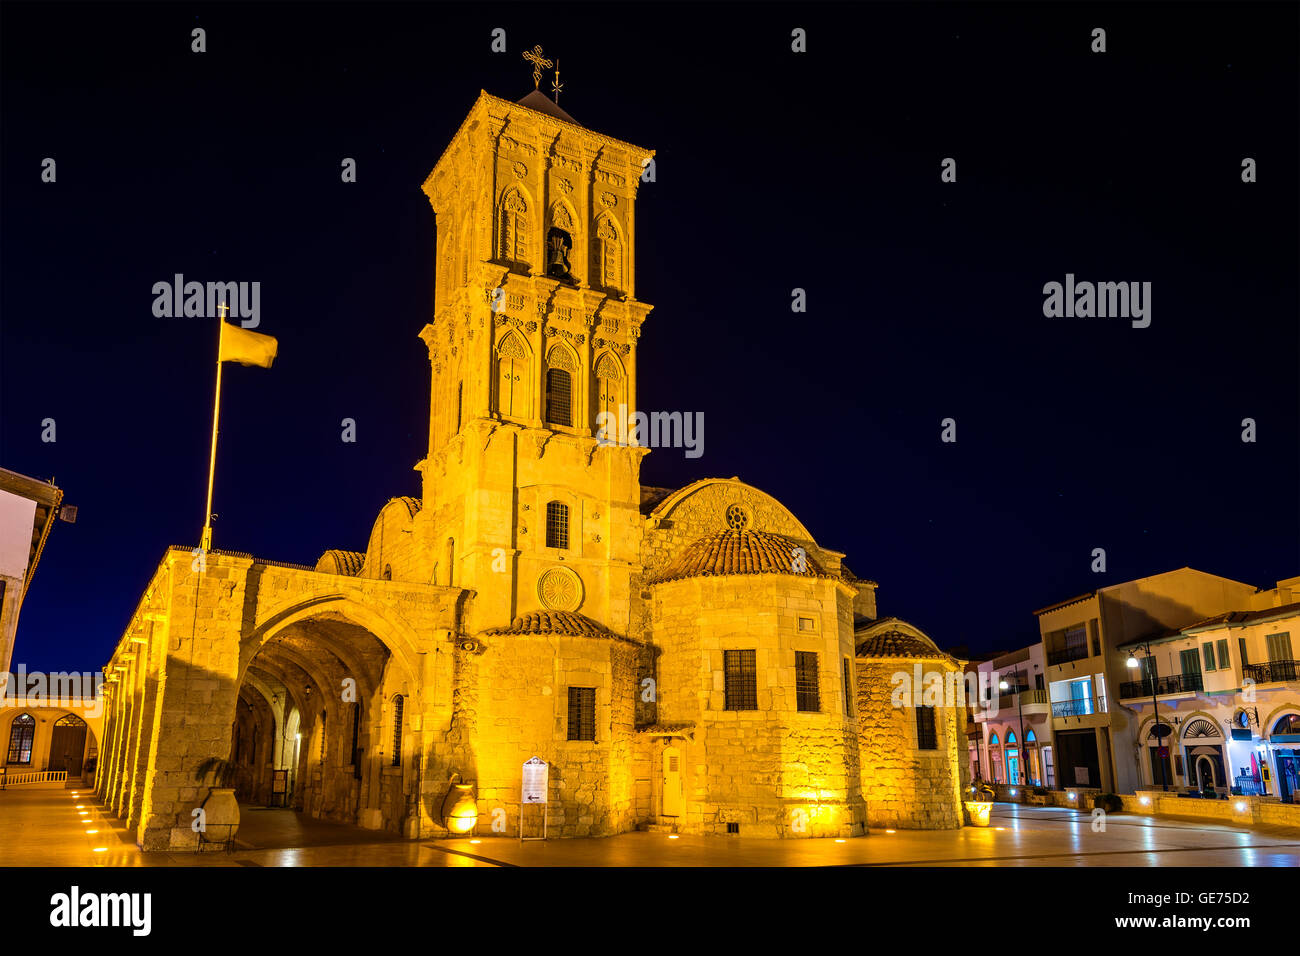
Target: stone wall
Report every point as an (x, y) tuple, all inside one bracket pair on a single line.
[(905, 787), (775, 771)]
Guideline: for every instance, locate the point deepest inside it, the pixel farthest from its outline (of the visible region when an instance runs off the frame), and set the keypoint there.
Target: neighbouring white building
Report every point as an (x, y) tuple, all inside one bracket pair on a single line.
[(1216, 703), (1015, 743)]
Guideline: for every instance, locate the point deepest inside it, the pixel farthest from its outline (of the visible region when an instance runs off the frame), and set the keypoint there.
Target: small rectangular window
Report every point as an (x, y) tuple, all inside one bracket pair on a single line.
[(1222, 646), (926, 737), (557, 525), (559, 391), (1207, 652), (1241, 646), (582, 713), (807, 624), (848, 687), (807, 695), (740, 680)]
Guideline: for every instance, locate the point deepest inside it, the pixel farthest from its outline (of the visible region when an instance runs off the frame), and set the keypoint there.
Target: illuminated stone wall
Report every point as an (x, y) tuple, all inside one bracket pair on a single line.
[(776, 771), (520, 710), (906, 787)]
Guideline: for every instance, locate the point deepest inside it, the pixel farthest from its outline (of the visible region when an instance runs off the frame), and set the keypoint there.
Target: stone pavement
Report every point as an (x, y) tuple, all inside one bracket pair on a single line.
[(63, 828)]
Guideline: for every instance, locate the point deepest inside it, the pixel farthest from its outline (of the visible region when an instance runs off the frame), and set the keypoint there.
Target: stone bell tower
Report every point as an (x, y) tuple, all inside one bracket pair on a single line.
[(534, 334)]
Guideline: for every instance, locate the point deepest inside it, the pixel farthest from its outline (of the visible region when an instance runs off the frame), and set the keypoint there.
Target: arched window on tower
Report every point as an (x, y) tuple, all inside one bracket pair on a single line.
[(607, 251), (559, 387), (21, 734), (514, 228), (512, 378), (557, 524), (609, 396)]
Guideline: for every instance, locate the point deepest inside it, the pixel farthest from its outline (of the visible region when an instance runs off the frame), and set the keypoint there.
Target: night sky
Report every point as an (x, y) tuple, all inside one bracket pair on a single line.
[(774, 170)]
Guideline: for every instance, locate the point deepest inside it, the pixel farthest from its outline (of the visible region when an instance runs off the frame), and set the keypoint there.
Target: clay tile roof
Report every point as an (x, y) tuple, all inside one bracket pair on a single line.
[(413, 505), (341, 562), (896, 642), (553, 622), (739, 552)]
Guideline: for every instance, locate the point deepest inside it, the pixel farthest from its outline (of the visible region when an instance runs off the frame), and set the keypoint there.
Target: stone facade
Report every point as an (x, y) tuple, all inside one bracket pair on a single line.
[(535, 599)]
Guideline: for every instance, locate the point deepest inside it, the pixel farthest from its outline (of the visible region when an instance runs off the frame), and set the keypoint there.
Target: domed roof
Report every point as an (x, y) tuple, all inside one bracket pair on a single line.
[(741, 552), (566, 623), (891, 637), (341, 562)]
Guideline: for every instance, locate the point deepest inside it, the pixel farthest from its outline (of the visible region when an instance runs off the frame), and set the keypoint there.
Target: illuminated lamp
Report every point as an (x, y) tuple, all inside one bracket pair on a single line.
[(459, 808)]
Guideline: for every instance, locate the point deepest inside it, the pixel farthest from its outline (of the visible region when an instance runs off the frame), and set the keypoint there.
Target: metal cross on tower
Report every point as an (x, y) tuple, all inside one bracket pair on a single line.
[(534, 56)]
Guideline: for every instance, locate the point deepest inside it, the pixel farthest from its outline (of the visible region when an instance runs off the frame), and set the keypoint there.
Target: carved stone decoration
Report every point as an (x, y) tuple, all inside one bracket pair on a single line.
[(540, 438), (530, 326), (560, 589), (520, 170), (606, 367), (609, 200), (560, 357), (737, 517), (566, 186)]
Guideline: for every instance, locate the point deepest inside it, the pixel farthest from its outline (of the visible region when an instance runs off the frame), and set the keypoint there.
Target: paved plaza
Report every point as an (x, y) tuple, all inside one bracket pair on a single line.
[(63, 828)]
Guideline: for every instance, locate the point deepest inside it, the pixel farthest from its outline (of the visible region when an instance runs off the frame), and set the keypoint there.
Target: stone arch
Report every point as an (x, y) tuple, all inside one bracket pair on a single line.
[(396, 635), (1278, 712), (512, 386), (608, 254), (562, 372), (564, 216), (515, 217), (389, 535), (705, 501)]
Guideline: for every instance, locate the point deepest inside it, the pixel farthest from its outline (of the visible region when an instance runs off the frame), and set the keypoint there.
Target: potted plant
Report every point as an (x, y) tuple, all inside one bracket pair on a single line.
[(220, 809), (980, 807), (1109, 802)]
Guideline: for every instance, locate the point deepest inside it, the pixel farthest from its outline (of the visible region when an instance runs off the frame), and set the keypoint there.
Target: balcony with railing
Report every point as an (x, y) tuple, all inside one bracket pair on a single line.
[(1173, 684), (1079, 707), (1064, 655), (1272, 672), (1025, 701)]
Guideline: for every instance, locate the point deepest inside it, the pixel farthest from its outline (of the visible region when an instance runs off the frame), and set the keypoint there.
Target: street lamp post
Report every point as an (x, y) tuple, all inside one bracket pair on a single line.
[(1155, 710)]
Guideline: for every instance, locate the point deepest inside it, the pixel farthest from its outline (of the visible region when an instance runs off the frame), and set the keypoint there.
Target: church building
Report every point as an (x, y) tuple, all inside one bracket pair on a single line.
[(685, 659)]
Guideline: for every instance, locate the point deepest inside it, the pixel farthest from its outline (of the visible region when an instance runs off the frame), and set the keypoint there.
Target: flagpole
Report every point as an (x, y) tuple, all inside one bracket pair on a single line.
[(206, 544)]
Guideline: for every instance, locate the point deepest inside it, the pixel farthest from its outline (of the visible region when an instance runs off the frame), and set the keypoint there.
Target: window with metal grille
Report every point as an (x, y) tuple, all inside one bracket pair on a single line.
[(21, 734), (582, 713), (733, 827), (926, 736), (557, 524), (740, 686), (848, 687), (806, 692), (398, 705), (559, 391)]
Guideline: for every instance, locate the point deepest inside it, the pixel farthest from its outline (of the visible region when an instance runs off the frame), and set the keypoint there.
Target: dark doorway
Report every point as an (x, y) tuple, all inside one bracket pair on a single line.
[(68, 745), (1077, 762)]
